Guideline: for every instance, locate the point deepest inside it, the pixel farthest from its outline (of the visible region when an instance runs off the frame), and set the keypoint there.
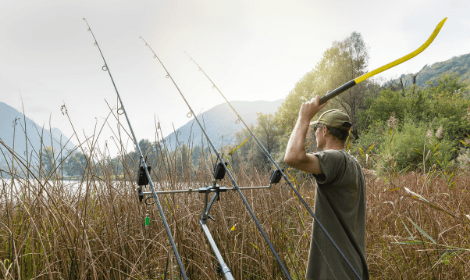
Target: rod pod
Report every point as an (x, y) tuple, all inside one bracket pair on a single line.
[(219, 173), (223, 269), (260, 228)]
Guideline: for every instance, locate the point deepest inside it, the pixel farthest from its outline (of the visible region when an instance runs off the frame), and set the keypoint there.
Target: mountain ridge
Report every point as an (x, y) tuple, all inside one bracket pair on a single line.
[(221, 123), (13, 122)]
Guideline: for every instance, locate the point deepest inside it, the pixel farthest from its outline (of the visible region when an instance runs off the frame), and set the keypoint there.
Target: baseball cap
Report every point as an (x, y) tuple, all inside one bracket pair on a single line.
[(334, 118)]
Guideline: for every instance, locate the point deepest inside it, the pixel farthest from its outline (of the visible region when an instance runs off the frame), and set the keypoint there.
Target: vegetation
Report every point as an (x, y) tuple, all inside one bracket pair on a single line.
[(412, 141), (459, 65), (418, 223)]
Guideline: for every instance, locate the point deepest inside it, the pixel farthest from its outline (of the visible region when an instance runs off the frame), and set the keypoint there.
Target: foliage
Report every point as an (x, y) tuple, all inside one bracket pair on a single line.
[(48, 159), (459, 65), (50, 231), (342, 62), (439, 110), (268, 134), (76, 164), (412, 146)]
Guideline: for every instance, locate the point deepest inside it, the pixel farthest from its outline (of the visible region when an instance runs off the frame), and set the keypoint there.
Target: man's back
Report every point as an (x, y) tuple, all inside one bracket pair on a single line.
[(340, 205)]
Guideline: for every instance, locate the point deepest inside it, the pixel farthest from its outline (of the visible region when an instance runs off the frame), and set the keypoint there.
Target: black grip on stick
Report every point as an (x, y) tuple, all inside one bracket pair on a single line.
[(337, 91)]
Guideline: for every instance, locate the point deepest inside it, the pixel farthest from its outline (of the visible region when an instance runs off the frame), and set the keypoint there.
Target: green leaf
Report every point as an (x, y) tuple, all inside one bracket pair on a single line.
[(301, 220), (414, 242), (406, 169), (450, 177), (411, 235), (421, 199), (370, 148), (238, 147), (464, 143), (362, 152), (422, 231), (427, 156), (447, 255), (391, 138)]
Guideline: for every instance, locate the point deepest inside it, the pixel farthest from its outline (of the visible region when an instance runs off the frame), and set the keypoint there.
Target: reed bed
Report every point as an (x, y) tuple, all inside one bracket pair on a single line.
[(93, 228)]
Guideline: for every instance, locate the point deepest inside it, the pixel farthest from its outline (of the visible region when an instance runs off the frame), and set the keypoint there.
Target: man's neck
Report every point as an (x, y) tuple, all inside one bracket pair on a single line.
[(333, 145)]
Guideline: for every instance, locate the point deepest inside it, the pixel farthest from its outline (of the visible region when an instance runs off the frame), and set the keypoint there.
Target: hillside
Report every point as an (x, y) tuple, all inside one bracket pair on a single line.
[(220, 123), (33, 132), (457, 64)]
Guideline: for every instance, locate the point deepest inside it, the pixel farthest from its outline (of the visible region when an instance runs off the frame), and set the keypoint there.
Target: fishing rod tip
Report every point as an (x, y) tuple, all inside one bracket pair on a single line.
[(442, 21)]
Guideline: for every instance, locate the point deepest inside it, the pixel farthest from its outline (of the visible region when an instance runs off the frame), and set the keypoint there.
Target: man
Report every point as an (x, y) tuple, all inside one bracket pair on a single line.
[(340, 198)]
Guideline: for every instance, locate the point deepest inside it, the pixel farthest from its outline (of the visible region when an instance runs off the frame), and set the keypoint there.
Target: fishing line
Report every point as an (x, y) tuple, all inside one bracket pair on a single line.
[(142, 161), (286, 273), (239, 119), (325, 98)]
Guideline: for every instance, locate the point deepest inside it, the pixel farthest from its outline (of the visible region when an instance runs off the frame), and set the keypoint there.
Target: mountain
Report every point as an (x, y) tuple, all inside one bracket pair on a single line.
[(220, 123), (8, 115), (457, 64)]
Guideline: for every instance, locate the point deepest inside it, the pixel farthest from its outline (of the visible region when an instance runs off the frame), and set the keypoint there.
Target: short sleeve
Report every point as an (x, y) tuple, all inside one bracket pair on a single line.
[(331, 163)]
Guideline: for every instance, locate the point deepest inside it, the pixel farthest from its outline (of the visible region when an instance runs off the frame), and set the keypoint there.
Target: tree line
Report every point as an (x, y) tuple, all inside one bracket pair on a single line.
[(394, 122)]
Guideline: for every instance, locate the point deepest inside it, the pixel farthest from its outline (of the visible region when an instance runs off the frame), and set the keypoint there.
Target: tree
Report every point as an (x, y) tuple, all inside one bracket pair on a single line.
[(437, 115), (268, 134), (344, 61), (448, 83), (195, 155), (76, 164), (146, 147), (48, 160)]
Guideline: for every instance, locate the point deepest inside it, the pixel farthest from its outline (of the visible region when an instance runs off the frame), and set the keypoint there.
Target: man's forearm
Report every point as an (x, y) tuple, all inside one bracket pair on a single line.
[(296, 145)]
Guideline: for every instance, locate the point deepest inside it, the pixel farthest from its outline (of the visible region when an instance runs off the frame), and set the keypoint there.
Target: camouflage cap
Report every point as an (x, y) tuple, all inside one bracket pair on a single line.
[(334, 118)]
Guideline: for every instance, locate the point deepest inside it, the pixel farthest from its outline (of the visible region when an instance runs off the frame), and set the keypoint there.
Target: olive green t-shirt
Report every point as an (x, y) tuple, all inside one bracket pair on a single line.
[(340, 206)]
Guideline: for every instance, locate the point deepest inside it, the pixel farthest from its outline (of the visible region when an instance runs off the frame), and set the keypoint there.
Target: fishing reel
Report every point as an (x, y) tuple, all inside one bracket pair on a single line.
[(142, 180), (219, 174), (276, 177), (219, 171)]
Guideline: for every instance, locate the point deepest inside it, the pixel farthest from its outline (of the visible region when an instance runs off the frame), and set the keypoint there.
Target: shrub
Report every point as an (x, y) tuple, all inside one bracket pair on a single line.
[(407, 145)]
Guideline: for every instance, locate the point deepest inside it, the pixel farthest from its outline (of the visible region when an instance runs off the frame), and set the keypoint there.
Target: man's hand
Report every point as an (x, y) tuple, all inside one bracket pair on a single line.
[(295, 153), (309, 109)]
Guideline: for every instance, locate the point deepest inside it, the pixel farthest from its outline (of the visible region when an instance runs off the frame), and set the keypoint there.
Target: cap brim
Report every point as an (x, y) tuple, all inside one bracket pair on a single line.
[(314, 122)]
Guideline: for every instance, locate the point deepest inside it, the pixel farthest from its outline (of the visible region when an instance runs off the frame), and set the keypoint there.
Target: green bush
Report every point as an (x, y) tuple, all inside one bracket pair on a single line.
[(403, 148)]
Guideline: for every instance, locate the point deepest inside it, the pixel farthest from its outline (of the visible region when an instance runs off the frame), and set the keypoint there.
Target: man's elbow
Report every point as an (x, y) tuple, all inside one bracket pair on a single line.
[(290, 160)]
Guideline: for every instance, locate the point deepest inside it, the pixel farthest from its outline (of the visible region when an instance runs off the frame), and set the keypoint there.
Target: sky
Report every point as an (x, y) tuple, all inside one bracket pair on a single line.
[(252, 50)]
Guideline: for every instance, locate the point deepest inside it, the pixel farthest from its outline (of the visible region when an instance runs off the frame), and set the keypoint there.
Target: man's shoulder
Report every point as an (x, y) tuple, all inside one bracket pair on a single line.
[(333, 153), (331, 158), (337, 155)]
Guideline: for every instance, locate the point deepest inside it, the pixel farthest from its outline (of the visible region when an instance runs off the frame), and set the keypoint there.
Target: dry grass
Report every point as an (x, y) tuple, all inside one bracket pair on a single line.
[(50, 232), (444, 253)]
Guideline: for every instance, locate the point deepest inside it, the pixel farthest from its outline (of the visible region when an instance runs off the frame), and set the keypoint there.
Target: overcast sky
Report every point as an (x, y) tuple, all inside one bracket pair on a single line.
[(252, 50)]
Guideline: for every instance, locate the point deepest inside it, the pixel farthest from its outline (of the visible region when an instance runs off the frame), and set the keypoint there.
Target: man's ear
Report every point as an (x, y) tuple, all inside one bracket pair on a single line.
[(325, 130)]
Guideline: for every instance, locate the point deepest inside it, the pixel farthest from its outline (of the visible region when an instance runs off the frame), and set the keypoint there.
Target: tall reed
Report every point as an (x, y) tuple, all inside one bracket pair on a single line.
[(93, 227)]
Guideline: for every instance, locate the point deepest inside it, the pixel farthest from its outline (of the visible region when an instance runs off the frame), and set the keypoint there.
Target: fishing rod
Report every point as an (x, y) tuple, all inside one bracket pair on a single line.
[(281, 172), (219, 171), (328, 96), (144, 169)]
